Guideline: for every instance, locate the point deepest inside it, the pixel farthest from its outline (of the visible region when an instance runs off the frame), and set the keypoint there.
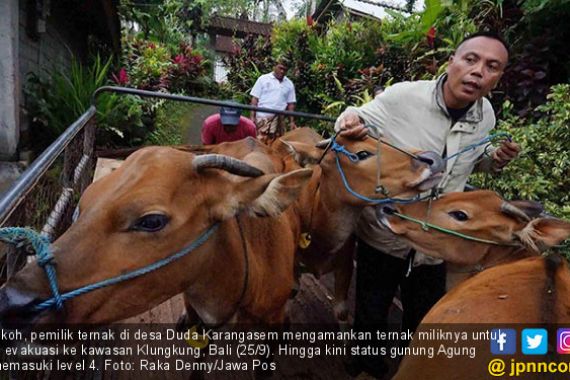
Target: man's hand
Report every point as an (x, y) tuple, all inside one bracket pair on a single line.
[(504, 154), (352, 127)]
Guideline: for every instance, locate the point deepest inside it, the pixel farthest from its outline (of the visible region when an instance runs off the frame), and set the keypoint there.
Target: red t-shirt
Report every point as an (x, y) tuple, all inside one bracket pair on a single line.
[(213, 132)]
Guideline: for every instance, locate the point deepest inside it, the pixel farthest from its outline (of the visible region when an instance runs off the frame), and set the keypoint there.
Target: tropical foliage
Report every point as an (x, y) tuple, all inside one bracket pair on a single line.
[(541, 171), (339, 64), (57, 100), (335, 64)]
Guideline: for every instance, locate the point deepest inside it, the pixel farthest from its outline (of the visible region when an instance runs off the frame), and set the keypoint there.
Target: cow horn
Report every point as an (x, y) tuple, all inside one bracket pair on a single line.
[(512, 210), (323, 144), (229, 164)]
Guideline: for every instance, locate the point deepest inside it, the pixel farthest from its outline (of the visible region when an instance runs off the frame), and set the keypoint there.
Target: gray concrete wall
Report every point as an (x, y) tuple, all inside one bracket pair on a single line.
[(9, 80), (52, 51), (22, 55)]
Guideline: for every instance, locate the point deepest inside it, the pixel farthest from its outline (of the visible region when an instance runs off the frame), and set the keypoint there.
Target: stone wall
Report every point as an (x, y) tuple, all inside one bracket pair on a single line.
[(9, 79), (52, 49)]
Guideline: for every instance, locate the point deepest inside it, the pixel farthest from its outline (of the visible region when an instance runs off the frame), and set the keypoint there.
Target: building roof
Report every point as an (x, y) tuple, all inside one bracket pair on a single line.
[(228, 26), (363, 8)]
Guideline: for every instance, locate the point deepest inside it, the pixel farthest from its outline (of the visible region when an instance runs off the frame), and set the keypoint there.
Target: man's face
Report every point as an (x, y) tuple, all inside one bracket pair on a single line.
[(474, 70), (280, 70), (229, 128)]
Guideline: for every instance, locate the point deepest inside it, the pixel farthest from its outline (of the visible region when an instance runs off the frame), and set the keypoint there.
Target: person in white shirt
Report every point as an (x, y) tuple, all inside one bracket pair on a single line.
[(273, 90)]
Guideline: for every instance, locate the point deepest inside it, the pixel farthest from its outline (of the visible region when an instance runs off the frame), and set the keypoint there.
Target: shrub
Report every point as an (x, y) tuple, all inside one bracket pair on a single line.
[(541, 171), (56, 100), (155, 67)]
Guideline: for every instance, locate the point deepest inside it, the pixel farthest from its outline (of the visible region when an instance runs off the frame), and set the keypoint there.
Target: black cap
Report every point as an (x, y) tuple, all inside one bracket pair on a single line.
[(230, 115)]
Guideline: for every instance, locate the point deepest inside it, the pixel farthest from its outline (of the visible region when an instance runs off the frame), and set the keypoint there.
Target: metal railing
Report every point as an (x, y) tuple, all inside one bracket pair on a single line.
[(15, 195), (209, 102)]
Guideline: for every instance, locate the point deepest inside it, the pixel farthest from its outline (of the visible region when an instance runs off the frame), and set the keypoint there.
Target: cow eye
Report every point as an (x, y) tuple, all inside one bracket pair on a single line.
[(151, 223), (363, 155), (459, 215)]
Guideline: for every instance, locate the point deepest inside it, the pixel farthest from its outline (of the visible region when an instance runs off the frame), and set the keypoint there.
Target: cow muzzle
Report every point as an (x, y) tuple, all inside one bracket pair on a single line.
[(432, 175), (16, 307)]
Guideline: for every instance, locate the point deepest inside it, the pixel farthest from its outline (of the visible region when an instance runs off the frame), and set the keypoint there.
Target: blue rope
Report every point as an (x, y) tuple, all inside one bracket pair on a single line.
[(482, 142), (136, 273), (354, 158), (41, 246), (336, 147), (382, 201)]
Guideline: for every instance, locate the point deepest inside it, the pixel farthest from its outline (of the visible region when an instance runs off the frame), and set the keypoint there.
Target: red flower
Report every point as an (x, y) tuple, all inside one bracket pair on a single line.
[(310, 20), (123, 78), (431, 37), (180, 60), (198, 59)]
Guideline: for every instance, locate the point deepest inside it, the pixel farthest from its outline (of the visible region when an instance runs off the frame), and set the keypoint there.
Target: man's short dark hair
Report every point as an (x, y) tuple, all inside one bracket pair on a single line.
[(283, 61), (488, 34)]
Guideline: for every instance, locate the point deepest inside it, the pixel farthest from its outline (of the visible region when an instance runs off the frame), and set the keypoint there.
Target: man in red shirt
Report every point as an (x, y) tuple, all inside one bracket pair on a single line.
[(228, 125)]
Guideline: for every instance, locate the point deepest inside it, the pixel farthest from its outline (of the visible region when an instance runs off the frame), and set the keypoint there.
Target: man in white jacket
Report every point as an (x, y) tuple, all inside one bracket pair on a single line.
[(443, 115)]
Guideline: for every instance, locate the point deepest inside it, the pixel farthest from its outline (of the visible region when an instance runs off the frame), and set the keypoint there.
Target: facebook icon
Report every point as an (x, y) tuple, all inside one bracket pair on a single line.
[(503, 341)]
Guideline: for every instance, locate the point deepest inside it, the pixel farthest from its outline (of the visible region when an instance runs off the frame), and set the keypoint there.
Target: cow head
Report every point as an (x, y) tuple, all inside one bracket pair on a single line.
[(482, 214), (156, 203), (401, 175)]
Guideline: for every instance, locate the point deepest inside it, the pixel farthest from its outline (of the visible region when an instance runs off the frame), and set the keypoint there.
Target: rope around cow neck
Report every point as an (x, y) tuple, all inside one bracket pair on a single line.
[(41, 246), (426, 226)]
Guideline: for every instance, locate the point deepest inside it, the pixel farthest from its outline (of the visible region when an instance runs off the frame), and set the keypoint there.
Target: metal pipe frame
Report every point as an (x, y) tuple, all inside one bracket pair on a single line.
[(15, 194), (209, 102)]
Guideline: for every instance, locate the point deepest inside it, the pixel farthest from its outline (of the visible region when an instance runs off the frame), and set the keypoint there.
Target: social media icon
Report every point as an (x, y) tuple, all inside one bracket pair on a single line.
[(534, 341), (563, 341), (504, 341)]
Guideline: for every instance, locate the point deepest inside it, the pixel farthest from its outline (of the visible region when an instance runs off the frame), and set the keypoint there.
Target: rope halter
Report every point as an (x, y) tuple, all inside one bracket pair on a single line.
[(42, 248)]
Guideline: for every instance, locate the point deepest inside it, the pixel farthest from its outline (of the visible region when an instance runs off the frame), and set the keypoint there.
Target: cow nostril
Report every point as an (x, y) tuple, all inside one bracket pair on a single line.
[(426, 160), (16, 306), (388, 210), (433, 160)]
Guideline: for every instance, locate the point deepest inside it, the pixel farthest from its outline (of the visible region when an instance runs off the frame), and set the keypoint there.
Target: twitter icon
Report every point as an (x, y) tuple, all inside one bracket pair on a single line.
[(534, 341)]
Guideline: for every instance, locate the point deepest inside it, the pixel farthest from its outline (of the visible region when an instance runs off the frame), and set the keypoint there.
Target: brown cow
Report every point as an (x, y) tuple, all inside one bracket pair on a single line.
[(158, 201), (330, 212), (520, 287)]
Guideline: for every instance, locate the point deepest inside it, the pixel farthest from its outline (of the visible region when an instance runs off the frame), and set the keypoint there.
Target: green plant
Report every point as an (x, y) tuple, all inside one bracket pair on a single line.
[(246, 64), (147, 64), (57, 100), (541, 171), (122, 124), (159, 23), (171, 124)]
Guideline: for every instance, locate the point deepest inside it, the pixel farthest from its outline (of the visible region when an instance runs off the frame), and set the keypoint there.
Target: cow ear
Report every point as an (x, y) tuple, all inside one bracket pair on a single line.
[(281, 192), (304, 154), (268, 195), (543, 233)]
